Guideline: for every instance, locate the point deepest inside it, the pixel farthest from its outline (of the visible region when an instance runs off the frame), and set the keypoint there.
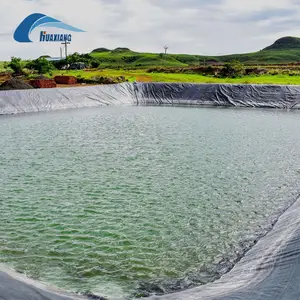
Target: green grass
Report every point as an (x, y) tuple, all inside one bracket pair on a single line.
[(264, 79), (142, 75), (136, 59)]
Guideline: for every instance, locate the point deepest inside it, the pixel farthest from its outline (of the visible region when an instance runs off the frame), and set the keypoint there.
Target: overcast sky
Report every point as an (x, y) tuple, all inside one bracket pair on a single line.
[(186, 26)]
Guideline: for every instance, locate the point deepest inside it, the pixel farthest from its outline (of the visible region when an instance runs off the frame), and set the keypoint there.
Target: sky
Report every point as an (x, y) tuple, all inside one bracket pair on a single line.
[(209, 27)]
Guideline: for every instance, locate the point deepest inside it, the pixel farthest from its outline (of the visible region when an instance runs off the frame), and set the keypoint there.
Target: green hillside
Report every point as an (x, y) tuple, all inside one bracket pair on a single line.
[(284, 50)]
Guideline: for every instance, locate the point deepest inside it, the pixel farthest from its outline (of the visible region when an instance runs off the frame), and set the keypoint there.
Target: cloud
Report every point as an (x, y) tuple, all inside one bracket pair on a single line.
[(186, 26), (267, 14)]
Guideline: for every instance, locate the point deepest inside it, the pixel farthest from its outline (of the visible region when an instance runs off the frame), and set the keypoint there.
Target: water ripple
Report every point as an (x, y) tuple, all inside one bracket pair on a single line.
[(113, 200)]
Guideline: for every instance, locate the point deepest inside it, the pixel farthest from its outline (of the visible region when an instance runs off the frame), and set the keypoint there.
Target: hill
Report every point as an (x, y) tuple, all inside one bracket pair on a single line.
[(284, 50), (285, 43)]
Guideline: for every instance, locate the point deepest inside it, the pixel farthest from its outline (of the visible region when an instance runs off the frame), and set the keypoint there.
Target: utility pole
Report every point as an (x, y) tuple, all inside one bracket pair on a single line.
[(166, 49), (66, 48)]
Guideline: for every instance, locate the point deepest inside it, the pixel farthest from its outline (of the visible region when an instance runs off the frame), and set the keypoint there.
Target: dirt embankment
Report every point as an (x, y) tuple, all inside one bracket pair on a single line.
[(15, 84)]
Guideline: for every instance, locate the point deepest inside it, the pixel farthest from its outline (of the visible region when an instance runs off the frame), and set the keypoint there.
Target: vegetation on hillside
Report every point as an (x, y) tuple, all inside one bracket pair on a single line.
[(134, 59), (284, 50)]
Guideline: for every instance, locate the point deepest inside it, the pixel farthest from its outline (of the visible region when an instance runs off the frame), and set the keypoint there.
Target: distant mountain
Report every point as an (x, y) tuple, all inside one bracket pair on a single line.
[(100, 50), (285, 43), (117, 50)]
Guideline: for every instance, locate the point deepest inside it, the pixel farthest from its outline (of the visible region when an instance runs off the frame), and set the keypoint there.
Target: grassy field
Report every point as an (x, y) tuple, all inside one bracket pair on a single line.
[(143, 76)]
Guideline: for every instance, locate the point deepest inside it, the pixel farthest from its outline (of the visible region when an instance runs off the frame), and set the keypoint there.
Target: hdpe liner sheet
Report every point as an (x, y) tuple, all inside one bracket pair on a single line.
[(272, 96), (24, 101), (269, 271), (173, 94), (14, 289)]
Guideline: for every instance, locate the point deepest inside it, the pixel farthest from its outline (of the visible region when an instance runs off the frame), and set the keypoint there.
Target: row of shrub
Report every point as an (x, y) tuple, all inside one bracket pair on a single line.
[(43, 66), (101, 80), (232, 70)]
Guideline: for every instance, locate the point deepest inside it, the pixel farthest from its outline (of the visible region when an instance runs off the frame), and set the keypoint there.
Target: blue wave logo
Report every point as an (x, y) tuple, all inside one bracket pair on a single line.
[(33, 21)]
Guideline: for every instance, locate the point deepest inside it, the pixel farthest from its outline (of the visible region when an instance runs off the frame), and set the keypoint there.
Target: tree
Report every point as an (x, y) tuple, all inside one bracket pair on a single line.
[(94, 64), (73, 58), (233, 69), (76, 57), (41, 65), (16, 65), (166, 49)]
